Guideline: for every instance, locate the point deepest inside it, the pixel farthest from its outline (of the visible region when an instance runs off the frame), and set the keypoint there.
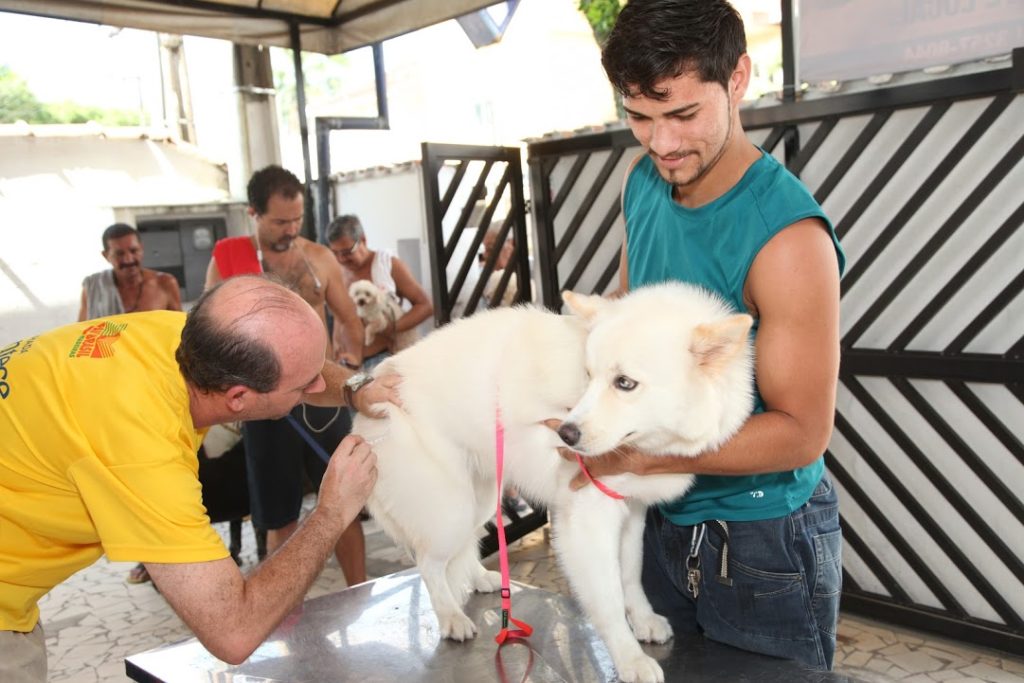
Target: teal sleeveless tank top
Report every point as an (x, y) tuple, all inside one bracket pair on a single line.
[(714, 246)]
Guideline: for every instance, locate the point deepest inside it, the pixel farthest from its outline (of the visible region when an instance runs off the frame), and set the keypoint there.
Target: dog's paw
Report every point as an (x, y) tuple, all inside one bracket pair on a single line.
[(456, 627), (652, 628), (487, 582), (641, 669)]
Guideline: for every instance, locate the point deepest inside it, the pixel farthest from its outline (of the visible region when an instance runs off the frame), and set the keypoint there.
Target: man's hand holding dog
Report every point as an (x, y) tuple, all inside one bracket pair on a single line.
[(621, 460), (348, 481), (383, 389)]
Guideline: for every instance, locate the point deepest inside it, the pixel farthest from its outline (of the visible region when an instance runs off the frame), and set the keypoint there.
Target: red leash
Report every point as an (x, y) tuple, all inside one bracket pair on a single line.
[(611, 493), (524, 629)]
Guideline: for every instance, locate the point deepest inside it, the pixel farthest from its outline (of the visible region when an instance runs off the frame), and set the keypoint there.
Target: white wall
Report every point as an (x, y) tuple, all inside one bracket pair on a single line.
[(57, 195)]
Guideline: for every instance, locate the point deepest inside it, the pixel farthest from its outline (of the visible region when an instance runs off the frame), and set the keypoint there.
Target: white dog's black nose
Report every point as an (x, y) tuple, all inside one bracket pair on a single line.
[(569, 433)]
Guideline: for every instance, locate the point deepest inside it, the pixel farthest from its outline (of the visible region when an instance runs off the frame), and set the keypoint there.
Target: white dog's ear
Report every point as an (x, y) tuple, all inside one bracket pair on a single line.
[(715, 344), (584, 305)]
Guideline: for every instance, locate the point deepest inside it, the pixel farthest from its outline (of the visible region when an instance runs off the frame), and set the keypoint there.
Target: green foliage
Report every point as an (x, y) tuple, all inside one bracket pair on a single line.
[(19, 103), (323, 76), (602, 15), (72, 112)]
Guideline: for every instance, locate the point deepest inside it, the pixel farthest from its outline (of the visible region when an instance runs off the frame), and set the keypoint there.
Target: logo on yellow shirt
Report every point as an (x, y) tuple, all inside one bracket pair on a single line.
[(97, 341)]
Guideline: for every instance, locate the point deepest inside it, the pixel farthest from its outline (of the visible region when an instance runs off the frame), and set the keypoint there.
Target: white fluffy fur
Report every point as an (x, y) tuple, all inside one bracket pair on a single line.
[(379, 310), (691, 360)]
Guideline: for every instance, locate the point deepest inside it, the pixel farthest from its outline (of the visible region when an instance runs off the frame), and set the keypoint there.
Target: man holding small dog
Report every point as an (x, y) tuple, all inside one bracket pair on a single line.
[(90, 465), (706, 206), (347, 241)]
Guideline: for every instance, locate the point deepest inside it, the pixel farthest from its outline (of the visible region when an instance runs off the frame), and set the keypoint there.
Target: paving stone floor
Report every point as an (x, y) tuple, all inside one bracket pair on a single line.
[(95, 619)]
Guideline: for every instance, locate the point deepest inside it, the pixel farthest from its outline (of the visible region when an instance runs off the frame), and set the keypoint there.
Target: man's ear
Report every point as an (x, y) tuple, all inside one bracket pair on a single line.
[(584, 305), (739, 81), (238, 398), (715, 344)]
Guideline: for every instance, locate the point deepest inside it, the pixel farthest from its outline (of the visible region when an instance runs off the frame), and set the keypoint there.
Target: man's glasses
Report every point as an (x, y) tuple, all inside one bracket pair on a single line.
[(344, 252)]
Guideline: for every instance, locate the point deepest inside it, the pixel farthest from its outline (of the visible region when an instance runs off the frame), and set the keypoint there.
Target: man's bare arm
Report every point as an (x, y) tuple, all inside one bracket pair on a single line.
[(793, 288), (169, 284), (213, 275), (231, 614), (409, 289), (383, 389)]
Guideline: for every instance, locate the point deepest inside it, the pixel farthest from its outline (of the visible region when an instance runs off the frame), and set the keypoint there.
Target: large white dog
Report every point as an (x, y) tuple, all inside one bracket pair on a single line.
[(666, 370)]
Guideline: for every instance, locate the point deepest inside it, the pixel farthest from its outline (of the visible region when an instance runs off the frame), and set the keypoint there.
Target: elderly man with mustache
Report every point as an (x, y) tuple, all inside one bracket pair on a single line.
[(127, 287)]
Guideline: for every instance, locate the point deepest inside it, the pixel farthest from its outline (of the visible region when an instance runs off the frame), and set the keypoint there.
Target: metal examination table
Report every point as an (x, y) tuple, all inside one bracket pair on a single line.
[(384, 631)]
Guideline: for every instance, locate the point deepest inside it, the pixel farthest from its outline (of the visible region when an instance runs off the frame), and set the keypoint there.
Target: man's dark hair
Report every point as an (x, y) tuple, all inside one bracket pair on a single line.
[(116, 232), (267, 182), (657, 39), (213, 356), (345, 226)]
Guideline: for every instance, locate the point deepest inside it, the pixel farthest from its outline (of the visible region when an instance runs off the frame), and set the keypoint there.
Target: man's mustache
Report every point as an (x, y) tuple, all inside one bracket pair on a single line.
[(133, 264)]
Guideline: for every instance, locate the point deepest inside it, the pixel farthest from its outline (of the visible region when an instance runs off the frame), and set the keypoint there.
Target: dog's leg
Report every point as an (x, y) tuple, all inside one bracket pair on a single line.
[(484, 580), (466, 572), (588, 534), (451, 620), (647, 625)]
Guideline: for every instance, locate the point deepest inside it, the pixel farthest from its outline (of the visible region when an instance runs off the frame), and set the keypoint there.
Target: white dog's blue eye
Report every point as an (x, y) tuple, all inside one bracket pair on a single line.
[(624, 383)]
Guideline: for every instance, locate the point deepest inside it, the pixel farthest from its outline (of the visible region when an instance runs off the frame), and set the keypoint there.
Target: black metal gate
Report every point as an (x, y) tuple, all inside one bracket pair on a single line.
[(470, 190), (926, 188)]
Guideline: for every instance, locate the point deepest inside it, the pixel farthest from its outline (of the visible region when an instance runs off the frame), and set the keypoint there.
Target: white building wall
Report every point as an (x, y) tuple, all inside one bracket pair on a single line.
[(59, 189)]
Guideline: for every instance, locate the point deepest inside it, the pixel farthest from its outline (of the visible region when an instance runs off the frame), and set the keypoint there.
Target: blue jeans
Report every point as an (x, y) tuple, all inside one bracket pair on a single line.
[(786, 579)]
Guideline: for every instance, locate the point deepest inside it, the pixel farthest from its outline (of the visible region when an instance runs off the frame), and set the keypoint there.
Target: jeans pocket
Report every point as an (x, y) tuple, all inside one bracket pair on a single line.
[(759, 603)]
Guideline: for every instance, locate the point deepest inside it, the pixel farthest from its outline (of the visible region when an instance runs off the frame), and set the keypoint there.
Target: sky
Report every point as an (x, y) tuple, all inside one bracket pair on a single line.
[(91, 64), (104, 66)]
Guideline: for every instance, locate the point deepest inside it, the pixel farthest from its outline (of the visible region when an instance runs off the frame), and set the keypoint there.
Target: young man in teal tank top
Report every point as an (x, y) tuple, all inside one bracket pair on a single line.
[(704, 205)]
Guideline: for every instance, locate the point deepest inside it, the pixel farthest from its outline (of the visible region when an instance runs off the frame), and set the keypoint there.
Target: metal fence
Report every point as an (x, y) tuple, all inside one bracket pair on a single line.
[(469, 190), (925, 186)]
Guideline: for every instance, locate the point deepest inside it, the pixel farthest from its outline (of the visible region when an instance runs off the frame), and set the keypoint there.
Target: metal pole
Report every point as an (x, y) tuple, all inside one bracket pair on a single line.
[(790, 76), (381, 83), (790, 86), (309, 227)]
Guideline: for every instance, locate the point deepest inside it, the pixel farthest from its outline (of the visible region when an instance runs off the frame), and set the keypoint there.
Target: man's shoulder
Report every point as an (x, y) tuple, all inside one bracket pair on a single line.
[(316, 252), (161, 278), (98, 275), (311, 248)]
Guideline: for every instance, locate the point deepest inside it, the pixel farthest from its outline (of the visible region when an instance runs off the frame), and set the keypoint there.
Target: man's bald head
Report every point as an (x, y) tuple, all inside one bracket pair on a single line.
[(236, 332)]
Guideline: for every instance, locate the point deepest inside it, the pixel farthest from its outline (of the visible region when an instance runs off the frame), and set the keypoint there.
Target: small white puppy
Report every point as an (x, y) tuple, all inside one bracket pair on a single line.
[(379, 310)]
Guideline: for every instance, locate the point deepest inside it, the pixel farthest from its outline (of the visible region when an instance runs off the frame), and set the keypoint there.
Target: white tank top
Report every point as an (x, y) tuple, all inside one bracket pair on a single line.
[(380, 271)]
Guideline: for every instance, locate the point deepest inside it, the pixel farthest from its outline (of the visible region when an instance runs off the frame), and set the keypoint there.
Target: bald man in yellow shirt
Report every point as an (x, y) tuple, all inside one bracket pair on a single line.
[(101, 422)]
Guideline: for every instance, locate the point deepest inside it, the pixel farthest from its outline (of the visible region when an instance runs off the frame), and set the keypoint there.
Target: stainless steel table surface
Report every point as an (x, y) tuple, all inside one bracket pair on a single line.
[(385, 631)]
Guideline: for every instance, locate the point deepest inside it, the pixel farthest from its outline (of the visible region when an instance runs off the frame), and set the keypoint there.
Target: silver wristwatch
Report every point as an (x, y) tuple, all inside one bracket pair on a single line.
[(357, 382)]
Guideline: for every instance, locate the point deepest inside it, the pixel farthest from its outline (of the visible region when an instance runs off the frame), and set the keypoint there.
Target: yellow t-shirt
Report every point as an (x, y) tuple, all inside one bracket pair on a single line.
[(97, 454)]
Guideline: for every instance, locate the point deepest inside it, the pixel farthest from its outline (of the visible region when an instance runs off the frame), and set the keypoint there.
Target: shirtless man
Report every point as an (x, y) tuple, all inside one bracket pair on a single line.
[(277, 457), (137, 288)]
